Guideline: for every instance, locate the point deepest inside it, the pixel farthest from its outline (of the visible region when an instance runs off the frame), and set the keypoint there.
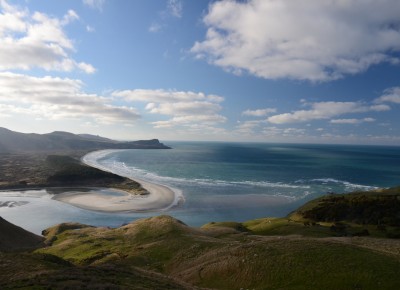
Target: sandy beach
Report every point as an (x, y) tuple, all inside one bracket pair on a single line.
[(113, 200), (160, 197)]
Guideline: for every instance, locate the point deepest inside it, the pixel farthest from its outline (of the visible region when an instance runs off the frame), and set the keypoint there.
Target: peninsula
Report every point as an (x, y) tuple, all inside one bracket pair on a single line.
[(53, 160)]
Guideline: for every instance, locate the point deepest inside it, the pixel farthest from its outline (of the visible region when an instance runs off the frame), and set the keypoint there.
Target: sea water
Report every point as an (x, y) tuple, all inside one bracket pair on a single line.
[(223, 181)]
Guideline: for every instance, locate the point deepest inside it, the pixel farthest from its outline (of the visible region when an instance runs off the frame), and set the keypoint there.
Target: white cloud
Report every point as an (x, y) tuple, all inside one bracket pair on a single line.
[(391, 95), (380, 108), (184, 108), (95, 4), (259, 112), (248, 127), (175, 8), (304, 39), (36, 40), (87, 68), (58, 98), (161, 96), (69, 17), (11, 19), (191, 121), (287, 132), (322, 110), (352, 121)]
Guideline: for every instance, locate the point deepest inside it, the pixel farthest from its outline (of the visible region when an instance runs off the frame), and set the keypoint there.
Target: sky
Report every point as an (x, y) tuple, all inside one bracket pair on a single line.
[(304, 71)]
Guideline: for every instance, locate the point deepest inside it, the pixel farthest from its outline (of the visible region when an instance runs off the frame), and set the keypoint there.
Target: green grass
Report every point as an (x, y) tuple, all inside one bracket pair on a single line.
[(234, 261), (292, 264)]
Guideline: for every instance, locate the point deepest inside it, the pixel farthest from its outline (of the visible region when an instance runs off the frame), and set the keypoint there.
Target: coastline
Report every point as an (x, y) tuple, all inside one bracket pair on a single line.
[(29, 171), (160, 197)]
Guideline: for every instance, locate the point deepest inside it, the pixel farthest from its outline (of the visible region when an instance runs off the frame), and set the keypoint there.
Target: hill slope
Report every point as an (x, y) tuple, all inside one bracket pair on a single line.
[(14, 142), (223, 258), (15, 238), (372, 213)]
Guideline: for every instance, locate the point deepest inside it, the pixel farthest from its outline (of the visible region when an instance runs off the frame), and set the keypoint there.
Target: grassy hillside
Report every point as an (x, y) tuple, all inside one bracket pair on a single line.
[(42, 271), (224, 258), (373, 213)]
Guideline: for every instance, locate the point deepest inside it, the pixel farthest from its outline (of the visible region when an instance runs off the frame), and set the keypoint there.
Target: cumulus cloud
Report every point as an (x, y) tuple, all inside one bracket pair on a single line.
[(305, 39), (58, 98), (259, 112), (36, 40), (380, 108), (184, 108), (322, 110), (391, 95), (352, 121)]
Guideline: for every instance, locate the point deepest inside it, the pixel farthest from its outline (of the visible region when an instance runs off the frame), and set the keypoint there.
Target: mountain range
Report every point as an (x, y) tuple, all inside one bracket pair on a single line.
[(15, 142)]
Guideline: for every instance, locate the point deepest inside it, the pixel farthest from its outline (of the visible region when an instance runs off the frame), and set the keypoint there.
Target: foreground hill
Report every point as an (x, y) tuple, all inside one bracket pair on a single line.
[(14, 142), (15, 238), (164, 253)]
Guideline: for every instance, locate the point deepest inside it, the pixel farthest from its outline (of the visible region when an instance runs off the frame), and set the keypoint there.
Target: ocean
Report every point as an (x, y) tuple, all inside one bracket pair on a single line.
[(215, 181)]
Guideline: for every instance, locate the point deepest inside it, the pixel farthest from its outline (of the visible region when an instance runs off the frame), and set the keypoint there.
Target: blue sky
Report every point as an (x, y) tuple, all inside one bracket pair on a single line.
[(257, 70)]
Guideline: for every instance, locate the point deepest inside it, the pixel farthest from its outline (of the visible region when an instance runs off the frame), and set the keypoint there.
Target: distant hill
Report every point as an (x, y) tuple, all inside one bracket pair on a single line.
[(15, 142), (95, 137), (14, 238)]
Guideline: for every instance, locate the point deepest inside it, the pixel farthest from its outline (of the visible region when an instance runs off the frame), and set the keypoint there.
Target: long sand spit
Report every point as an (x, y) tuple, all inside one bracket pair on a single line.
[(160, 197)]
